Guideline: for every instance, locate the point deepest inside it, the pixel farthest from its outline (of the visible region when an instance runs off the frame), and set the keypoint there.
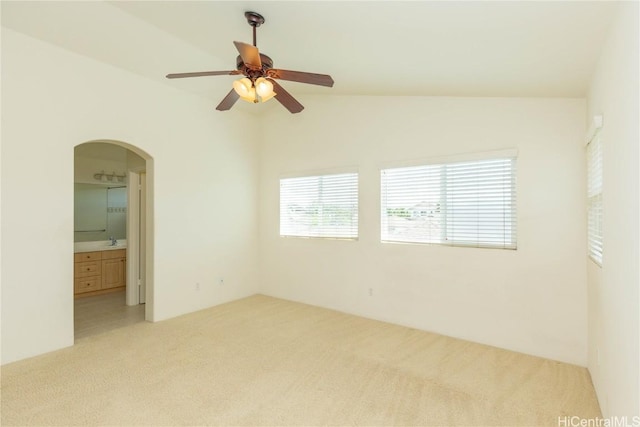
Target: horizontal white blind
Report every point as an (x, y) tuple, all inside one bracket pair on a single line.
[(320, 206), (459, 204), (412, 205), (594, 199)]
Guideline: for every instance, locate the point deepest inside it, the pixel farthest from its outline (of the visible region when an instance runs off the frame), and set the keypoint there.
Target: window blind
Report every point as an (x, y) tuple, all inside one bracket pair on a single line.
[(468, 203), (320, 206), (594, 199)]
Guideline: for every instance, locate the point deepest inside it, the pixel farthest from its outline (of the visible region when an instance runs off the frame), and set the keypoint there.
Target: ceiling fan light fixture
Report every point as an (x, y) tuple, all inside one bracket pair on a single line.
[(260, 91)]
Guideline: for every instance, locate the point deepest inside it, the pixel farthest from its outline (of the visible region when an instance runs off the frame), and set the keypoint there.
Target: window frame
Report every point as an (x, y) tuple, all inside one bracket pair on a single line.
[(321, 175), (451, 161), (594, 193)]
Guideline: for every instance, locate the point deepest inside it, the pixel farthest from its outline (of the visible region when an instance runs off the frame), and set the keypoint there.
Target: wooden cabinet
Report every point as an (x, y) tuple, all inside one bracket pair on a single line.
[(113, 269), (87, 272), (99, 272)]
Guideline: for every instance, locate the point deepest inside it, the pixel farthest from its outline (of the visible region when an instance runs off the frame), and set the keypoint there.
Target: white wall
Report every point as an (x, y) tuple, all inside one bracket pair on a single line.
[(531, 300), (204, 180), (614, 316)]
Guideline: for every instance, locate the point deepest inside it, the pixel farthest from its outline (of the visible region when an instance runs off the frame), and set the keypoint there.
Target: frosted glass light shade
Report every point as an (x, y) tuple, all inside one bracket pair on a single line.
[(251, 97), (268, 97), (243, 87), (264, 88)]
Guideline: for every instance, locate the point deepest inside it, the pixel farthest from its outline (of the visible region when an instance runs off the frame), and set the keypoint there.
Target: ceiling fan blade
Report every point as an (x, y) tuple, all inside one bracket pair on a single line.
[(250, 55), (301, 77), (201, 74), (285, 98), (228, 101)]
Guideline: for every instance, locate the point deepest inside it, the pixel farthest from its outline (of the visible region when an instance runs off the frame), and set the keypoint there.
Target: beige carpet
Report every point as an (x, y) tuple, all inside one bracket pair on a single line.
[(264, 361)]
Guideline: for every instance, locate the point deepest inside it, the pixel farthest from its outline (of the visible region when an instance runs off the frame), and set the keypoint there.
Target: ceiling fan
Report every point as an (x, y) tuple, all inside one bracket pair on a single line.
[(258, 84)]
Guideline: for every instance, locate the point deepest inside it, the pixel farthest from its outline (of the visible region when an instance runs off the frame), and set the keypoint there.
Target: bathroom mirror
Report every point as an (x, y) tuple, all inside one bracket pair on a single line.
[(100, 212)]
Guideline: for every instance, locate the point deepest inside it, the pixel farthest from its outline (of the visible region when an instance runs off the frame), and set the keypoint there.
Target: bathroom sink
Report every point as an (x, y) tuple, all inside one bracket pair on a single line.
[(118, 246), (102, 245)]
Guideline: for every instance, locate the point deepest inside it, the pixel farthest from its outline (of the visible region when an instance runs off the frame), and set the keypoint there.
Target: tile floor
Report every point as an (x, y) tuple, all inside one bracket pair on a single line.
[(102, 313)]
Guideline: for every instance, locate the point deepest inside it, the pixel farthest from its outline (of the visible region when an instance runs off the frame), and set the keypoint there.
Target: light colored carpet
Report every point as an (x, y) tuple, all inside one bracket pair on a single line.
[(265, 361)]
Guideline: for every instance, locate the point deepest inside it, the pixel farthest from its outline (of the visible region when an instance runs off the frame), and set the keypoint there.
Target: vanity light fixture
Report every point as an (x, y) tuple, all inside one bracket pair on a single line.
[(104, 177)]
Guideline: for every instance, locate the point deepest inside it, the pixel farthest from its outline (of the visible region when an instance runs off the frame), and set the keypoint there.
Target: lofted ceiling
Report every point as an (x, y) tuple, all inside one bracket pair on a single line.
[(427, 48)]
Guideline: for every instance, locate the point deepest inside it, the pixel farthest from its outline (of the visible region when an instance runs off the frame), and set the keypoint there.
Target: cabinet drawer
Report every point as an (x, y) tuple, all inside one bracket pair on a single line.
[(116, 253), (87, 256), (87, 284), (85, 269)]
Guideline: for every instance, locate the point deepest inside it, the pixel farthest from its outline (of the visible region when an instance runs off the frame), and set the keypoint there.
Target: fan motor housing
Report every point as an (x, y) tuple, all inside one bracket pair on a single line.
[(266, 62)]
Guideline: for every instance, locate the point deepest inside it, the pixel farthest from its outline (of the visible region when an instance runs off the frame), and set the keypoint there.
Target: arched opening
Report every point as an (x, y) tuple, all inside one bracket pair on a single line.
[(113, 235)]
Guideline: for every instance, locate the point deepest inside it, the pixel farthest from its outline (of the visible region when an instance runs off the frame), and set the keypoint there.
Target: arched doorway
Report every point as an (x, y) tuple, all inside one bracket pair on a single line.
[(117, 165)]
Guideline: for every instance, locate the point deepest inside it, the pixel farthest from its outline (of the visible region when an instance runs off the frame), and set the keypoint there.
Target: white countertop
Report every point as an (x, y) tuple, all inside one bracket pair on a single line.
[(102, 245)]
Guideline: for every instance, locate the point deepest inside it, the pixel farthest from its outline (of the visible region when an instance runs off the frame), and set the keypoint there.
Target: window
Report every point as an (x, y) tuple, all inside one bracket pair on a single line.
[(320, 206), (467, 203), (594, 198)]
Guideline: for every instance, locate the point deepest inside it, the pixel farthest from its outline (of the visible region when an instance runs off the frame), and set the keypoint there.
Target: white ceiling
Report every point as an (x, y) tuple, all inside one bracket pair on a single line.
[(445, 48)]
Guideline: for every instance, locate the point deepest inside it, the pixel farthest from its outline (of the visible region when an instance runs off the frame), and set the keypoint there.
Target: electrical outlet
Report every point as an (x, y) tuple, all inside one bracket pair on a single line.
[(197, 286), (370, 292)]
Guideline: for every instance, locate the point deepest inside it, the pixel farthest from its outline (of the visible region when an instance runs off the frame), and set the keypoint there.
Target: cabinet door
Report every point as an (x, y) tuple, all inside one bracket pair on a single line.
[(113, 273)]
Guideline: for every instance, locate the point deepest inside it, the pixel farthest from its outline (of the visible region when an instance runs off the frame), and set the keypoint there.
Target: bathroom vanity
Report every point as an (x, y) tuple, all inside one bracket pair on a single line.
[(99, 271)]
